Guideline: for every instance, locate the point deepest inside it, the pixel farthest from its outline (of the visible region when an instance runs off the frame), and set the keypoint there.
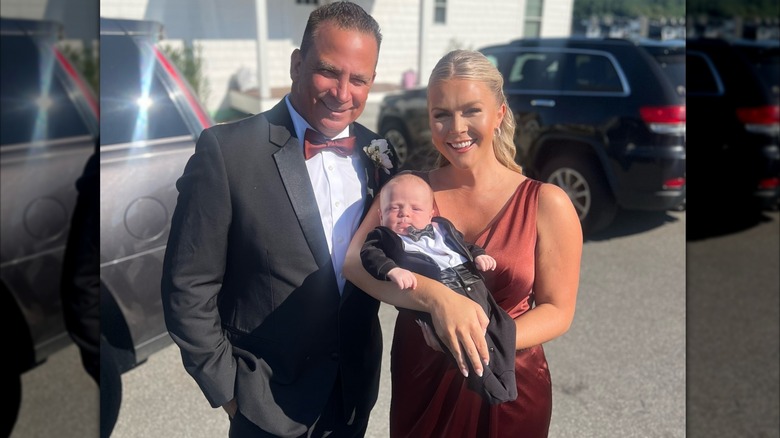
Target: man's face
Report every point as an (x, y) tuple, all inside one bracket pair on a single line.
[(331, 83), (405, 202)]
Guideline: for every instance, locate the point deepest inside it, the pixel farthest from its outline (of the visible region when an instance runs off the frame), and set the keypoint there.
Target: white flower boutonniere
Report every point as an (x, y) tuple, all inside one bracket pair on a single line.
[(379, 152)]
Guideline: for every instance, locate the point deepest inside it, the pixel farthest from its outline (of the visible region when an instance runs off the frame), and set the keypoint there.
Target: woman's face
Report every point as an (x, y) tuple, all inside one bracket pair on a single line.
[(463, 116)]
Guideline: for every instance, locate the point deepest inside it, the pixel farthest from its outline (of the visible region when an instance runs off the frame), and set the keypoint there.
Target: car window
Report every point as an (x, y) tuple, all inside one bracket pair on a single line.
[(534, 71), (704, 80), (563, 72), (135, 104), (594, 73), (35, 103), (673, 66), (766, 61)]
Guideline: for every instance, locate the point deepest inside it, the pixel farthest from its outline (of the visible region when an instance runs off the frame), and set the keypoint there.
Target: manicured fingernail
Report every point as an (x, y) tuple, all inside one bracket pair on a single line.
[(487, 362), (465, 372), (479, 373)]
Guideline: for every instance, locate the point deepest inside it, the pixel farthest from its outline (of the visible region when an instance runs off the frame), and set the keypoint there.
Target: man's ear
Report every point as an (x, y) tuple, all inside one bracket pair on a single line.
[(295, 64)]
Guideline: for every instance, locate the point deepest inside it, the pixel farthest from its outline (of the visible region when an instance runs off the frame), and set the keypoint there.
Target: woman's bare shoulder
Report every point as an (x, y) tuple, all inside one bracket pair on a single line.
[(555, 208)]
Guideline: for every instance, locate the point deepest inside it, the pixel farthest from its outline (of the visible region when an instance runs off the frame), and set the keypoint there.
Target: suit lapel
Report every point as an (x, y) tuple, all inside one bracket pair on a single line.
[(292, 170)]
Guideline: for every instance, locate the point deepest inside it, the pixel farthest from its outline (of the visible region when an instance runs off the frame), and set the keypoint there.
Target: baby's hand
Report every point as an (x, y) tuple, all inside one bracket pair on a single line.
[(403, 278), (485, 262)]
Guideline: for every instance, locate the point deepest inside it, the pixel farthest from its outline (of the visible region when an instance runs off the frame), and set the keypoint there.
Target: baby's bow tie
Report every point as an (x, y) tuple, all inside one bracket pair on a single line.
[(416, 233)]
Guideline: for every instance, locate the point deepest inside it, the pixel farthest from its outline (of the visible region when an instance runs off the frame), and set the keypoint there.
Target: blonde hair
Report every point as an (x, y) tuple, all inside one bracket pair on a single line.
[(474, 66)]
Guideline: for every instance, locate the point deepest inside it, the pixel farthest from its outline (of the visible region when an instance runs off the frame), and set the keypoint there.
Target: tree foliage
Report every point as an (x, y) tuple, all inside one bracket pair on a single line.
[(189, 61)]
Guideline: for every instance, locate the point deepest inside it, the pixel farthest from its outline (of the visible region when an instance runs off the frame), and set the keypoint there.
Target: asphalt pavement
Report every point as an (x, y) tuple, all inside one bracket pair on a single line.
[(620, 371)]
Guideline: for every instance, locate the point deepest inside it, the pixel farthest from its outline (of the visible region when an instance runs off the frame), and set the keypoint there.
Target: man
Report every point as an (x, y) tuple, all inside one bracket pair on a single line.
[(252, 286)]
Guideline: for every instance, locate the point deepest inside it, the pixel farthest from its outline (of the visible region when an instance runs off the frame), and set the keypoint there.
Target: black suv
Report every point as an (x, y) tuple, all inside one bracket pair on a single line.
[(150, 119), (735, 125), (48, 130), (602, 118)]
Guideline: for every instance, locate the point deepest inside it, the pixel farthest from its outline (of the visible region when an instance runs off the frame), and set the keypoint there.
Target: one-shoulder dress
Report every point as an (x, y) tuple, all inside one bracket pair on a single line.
[(429, 395)]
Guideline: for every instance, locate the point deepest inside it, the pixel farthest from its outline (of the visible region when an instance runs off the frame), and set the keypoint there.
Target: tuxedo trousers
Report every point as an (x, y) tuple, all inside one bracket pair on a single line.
[(331, 422)]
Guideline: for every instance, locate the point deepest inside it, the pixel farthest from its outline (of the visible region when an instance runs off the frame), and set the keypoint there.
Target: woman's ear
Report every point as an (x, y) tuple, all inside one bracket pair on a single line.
[(501, 113)]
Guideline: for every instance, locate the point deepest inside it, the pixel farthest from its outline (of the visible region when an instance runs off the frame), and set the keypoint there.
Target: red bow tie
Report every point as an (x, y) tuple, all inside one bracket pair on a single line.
[(314, 143)]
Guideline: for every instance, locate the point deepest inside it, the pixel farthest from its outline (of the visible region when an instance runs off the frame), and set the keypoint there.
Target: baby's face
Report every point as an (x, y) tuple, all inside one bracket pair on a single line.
[(405, 203)]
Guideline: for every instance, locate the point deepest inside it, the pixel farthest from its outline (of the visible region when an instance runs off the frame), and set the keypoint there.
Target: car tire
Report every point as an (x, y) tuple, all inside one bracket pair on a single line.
[(110, 387), (12, 401), (587, 188), (395, 133)]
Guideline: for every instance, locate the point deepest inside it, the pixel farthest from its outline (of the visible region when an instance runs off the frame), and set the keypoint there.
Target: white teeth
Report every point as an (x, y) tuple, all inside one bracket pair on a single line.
[(461, 144)]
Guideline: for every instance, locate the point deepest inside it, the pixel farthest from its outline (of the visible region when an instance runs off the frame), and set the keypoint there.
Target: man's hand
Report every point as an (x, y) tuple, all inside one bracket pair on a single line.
[(231, 407), (403, 278), (485, 263)]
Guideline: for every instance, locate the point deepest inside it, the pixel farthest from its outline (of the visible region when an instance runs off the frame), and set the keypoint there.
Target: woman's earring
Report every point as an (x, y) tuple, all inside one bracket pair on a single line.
[(498, 132)]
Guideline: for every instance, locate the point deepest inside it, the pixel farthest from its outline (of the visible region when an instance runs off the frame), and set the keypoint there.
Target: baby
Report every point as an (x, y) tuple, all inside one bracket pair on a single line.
[(411, 239)]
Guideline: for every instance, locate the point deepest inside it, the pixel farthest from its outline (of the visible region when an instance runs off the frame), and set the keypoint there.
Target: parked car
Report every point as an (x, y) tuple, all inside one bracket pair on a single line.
[(602, 118), (734, 126), (150, 121), (48, 130)]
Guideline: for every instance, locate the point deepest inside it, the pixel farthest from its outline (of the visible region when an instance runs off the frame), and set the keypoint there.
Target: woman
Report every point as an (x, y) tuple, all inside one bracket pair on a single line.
[(530, 228)]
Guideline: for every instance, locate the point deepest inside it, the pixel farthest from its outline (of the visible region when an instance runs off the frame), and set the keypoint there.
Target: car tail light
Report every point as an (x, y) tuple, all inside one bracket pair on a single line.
[(761, 119), (664, 119), (193, 101), (674, 183), (769, 183)]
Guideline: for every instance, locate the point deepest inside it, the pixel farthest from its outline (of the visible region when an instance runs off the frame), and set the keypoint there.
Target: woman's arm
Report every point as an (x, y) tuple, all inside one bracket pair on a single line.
[(460, 322), (558, 255)]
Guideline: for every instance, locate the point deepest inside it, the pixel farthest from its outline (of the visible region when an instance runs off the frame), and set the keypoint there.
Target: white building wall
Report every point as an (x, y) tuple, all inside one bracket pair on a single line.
[(556, 18), (132, 9), (400, 26), (472, 25), (227, 33)]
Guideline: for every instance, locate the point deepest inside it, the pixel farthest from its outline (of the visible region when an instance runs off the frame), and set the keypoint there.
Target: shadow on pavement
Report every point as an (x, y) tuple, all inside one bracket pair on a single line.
[(628, 222), (704, 225)]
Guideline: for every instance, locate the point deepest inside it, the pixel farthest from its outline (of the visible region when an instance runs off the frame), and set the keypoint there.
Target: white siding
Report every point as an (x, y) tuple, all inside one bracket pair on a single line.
[(132, 9), (227, 32), (556, 18), (472, 25), (400, 26)]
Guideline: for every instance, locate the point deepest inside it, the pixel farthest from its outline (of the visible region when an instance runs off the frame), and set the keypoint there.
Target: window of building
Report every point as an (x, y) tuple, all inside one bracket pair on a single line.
[(533, 18), (440, 11)]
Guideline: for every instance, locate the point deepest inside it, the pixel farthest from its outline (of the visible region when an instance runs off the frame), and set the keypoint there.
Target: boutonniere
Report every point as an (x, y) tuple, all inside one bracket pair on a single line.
[(379, 153)]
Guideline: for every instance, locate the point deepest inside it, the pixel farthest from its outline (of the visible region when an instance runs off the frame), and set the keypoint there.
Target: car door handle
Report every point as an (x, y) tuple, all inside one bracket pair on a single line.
[(543, 102)]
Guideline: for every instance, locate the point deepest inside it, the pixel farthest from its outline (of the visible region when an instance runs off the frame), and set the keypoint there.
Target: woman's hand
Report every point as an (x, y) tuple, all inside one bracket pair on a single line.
[(460, 323)]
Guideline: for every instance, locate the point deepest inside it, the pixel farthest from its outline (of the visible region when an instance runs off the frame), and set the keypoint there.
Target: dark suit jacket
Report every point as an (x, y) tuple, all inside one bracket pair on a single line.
[(249, 290), (383, 250)]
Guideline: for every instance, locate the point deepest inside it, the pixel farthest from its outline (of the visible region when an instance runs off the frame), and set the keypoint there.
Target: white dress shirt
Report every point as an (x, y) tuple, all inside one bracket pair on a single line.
[(339, 192), (434, 248)]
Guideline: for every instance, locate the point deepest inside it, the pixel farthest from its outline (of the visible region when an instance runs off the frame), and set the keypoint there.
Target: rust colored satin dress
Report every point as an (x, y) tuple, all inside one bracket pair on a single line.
[(429, 395)]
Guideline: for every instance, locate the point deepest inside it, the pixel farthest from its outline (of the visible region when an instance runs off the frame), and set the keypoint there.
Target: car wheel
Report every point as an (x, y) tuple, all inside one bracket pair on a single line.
[(12, 400), (396, 134), (586, 186), (110, 387)]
